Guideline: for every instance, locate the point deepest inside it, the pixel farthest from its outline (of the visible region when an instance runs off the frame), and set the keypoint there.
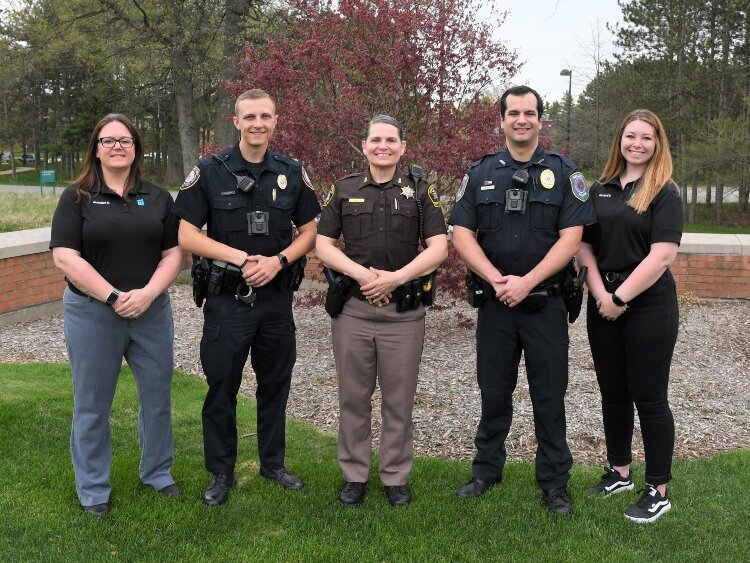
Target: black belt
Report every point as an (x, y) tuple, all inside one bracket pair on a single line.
[(612, 277), (74, 289)]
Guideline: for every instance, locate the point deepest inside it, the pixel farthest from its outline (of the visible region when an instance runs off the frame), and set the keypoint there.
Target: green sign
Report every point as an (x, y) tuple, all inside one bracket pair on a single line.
[(47, 176)]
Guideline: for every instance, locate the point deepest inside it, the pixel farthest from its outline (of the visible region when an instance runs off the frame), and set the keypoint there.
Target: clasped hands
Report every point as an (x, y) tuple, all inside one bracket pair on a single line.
[(132, 304), (260, 270), (608, 309), (378, 286), (511, 290)]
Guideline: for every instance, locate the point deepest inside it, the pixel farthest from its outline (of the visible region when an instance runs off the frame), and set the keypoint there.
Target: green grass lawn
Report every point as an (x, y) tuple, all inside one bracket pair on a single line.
[(41, 519), (27, 211)]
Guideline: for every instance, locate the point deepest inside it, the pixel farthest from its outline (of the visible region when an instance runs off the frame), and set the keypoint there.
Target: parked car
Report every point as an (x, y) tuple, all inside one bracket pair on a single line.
[(28, 159), (4, 158)]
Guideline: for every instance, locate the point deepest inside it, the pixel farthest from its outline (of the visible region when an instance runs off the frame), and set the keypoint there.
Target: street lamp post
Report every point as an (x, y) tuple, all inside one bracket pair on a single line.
[(569, 73)]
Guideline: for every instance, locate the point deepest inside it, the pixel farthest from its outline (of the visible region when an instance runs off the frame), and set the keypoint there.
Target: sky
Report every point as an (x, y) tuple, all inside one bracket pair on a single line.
[(552, 35)]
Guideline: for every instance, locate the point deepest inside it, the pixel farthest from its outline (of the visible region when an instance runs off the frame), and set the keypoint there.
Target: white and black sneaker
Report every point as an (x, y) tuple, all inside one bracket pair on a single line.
[(650, 506), (611, 484)]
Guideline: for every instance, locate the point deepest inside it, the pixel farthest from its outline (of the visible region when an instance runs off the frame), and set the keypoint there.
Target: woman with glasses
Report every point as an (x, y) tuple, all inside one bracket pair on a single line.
[(115, 238), (632, 313)]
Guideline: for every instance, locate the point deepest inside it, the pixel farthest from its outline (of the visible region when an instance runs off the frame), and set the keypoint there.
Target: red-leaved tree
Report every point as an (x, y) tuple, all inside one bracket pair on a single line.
[(431, 64)]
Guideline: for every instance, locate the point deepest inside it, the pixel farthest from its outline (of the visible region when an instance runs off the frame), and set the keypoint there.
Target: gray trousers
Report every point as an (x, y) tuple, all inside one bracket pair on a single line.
[(377, 344), (97, 339)]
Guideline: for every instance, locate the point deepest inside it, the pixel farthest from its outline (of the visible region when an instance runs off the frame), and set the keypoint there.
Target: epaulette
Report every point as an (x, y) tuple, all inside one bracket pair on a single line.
[(285, 159), (218, 158), (562, 157), (354, 175), (488, 155)]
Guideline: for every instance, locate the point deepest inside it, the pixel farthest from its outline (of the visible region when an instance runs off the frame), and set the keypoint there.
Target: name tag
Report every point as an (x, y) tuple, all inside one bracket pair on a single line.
[(356, 200), (489, 187)]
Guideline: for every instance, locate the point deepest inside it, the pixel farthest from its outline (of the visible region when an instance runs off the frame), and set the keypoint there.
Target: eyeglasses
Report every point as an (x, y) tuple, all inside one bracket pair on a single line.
[(109, 142)]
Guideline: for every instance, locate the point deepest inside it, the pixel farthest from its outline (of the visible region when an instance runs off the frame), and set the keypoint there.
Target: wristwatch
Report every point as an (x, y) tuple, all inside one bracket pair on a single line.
[(617, 301), (112, 298), (283, 260)]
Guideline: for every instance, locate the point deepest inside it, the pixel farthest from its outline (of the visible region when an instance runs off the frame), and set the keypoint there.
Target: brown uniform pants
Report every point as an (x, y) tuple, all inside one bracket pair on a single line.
[(377, 344)]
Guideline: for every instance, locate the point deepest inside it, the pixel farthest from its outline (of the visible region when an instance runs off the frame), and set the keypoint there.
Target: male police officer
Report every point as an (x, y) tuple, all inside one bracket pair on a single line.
[(249, 196), (518, 221)]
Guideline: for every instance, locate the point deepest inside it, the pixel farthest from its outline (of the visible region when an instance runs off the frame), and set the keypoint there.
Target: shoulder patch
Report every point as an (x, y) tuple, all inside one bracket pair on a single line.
[(191, 179), (329, 196), (579, 187), (462, 187), (306, 178), (433, 195)]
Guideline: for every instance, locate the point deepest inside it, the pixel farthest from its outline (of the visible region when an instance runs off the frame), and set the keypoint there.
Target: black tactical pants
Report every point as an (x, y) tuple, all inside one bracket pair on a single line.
[(502, 334), (231, 330)]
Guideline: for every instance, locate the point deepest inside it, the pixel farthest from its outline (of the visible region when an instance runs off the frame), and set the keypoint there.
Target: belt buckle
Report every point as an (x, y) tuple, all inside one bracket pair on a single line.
[(610, 277)]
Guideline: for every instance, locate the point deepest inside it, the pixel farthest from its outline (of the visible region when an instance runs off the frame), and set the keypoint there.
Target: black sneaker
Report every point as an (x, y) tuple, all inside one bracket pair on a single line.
[(649, 507), (557, 501), (611, 484)]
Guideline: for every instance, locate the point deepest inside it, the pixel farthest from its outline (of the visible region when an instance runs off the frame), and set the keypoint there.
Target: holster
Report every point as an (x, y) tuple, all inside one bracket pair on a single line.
[(572, 290), (338, 292), (291, 277), (199, 274), (477, 290), (428, 288)]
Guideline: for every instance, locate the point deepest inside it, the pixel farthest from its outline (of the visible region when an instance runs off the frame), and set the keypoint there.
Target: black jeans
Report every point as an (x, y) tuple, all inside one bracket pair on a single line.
[(632, 358)]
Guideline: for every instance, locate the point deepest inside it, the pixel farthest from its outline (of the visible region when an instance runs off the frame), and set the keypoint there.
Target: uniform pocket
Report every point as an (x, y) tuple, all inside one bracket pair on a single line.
[(491, 208), (356, 219), (405, 221), (210, 333), (544, 206), (231, 213), (281, 213)]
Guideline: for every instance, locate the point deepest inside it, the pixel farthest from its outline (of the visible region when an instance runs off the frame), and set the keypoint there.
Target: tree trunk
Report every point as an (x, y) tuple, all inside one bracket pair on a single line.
[(224, 132), (693, 198), (174, 173), (719, 208), (743, 193), (187, 122), (708, 194)]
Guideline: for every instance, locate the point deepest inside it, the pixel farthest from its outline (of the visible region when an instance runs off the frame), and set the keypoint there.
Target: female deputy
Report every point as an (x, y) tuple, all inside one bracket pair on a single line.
[(377, 213), (632, 311), (115, 239)]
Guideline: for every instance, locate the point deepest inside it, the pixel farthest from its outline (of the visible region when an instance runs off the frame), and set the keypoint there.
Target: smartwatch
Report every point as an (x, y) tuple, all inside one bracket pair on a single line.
[(112, 297), (617, 301), (283, 260)]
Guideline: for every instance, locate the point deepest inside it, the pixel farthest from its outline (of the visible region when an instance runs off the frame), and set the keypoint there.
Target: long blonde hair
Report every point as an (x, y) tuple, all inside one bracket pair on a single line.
[(658, 170)]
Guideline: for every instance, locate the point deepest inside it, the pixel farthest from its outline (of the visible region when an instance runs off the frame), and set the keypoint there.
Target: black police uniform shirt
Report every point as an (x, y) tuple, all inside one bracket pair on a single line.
[(379, 223), (121, 238), (516, 242), (210, 196), (623, 237)]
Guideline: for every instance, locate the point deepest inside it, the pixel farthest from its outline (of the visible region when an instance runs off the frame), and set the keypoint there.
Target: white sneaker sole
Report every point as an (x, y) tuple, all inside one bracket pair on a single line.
[(619, 490), (650, 519)]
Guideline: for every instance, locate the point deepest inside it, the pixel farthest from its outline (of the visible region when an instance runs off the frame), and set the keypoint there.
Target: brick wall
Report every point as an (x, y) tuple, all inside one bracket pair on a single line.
[(29, 280), (707, 275), (707, 266)]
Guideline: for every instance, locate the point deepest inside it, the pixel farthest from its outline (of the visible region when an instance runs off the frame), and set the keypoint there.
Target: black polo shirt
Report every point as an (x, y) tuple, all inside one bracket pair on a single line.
[(516, 242), (380, 223), (210, 197), (622, 237), (122, 239)]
